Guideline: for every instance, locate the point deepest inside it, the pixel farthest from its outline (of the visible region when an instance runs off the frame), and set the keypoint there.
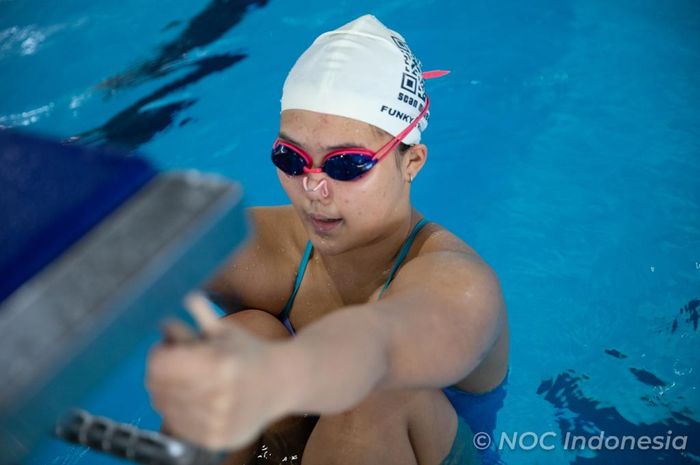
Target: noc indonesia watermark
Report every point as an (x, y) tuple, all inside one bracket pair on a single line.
[(549, 440)]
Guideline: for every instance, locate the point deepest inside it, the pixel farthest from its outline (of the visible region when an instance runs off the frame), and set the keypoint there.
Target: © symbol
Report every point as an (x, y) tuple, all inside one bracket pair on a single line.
[(481, 440)]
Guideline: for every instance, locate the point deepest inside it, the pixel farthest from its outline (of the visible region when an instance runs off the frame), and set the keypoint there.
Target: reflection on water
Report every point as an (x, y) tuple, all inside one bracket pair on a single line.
[(138, 123), (217, 18), (585, 416)]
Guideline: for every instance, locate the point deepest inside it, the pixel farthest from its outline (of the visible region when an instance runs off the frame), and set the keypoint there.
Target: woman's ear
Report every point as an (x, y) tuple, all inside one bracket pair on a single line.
[(413, 160)]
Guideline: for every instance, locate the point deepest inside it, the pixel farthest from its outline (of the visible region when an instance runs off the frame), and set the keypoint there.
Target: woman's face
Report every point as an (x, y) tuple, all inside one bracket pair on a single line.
[(342, 215)]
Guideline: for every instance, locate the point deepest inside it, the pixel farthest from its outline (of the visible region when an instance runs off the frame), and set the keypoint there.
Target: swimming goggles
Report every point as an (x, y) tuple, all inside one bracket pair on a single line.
[(344, 164)]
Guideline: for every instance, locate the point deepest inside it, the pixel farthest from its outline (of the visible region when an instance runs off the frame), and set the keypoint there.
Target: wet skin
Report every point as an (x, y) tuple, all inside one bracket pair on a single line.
[(442, 320)]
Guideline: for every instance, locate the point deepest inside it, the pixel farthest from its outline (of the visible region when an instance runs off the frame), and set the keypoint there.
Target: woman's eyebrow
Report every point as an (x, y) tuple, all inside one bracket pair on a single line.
[(348, 145), (284, 136)]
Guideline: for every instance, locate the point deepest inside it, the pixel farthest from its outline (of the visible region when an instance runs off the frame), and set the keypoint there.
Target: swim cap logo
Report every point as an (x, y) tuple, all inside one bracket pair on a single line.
[(412, 78), (412, 89)]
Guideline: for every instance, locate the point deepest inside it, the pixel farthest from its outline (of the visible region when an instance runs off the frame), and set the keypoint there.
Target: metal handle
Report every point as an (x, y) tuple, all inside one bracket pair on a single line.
[(131, 443)]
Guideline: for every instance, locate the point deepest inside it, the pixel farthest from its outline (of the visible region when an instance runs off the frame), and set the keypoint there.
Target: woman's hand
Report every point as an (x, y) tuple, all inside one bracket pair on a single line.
[(220, 389)]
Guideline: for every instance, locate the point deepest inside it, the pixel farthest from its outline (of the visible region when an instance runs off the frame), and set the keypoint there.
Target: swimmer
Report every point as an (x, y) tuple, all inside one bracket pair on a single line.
[(369, 334)]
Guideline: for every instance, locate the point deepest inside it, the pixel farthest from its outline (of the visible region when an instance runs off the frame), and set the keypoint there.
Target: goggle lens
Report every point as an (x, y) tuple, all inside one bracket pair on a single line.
[(348, 166), (288, 160), (341, 167)]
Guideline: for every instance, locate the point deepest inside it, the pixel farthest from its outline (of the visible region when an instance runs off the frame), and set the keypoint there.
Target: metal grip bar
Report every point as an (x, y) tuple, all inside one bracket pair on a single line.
[(131, 443)]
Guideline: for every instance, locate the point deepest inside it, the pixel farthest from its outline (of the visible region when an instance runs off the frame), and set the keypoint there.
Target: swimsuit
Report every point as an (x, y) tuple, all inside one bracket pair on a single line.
[(476, 412)]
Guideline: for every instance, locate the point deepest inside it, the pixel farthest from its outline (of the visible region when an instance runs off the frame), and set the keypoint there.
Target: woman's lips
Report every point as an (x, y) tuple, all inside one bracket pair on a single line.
[(324, 225)]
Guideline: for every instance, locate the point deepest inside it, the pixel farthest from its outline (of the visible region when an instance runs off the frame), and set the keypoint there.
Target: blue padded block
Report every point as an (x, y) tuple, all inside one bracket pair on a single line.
[(51, 194)]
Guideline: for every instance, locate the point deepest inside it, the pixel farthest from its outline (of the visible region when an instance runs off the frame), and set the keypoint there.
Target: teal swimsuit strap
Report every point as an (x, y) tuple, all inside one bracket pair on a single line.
[(307, 253), (297, 283), (402, 254)]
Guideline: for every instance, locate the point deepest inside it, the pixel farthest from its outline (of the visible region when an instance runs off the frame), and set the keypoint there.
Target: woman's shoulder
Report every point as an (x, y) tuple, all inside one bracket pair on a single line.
[(435, 238), (438, 246), (278, 229), (260, 272), (435, 248)]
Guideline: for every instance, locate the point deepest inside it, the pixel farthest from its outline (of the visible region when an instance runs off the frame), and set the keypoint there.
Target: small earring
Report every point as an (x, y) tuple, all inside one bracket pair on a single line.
[(410, 178)]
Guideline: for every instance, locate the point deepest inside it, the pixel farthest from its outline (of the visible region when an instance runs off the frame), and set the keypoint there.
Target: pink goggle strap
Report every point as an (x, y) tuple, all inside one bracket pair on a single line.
[(435, 73), (402, 135), (392, 144)]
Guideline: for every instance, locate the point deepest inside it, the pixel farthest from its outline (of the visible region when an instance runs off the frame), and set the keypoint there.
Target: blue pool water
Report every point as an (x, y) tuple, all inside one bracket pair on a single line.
[(564, 147)]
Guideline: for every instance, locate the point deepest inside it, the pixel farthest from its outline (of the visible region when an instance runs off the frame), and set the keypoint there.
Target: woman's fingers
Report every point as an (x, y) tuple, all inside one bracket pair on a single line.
[(203, 313), (207, 383), (185, 363), (175, 332), (215, 328)]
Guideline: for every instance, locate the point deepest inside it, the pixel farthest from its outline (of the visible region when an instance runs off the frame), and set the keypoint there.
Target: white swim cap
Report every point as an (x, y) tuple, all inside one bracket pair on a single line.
[(364, 71)]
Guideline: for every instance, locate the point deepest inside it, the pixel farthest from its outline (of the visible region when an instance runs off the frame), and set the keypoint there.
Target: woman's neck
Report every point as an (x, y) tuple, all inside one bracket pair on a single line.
[(368, 266)]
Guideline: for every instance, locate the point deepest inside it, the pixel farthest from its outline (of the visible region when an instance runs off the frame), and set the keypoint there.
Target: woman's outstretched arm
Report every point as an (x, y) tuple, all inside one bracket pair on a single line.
[(441, 315)]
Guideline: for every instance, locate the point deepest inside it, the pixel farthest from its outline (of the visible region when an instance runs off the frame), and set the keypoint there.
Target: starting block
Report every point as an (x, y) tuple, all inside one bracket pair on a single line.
[(96, 248)]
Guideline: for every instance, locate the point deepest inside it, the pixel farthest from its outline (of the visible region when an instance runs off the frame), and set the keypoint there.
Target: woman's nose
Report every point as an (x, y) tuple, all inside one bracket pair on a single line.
[(315, 186)]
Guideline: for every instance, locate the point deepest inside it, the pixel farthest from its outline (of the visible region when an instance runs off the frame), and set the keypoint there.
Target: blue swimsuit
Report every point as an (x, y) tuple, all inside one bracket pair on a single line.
[(478, 411)]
